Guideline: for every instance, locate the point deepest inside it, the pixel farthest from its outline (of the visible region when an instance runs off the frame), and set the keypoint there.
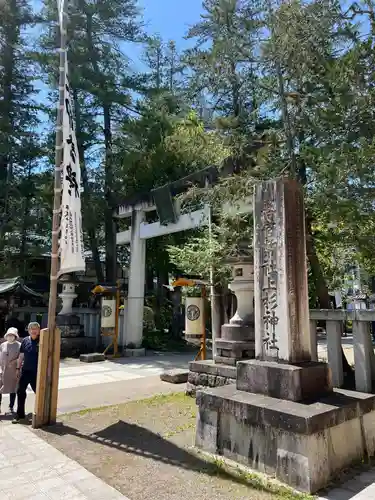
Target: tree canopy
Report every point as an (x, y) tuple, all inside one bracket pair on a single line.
[(264, 89)]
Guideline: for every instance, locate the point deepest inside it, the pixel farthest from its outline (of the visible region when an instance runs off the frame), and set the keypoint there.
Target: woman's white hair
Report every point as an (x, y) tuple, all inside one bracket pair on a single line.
[(33, 324)]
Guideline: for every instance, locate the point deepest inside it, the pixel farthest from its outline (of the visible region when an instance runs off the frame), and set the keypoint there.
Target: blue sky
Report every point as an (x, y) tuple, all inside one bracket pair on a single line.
[(171, 18)]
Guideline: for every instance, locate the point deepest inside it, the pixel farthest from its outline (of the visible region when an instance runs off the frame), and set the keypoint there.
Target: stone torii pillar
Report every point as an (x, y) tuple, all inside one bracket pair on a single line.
[(137, 272)]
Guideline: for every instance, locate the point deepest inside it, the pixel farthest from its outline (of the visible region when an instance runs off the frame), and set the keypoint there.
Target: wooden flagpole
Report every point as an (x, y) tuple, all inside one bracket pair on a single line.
[(49, 350)]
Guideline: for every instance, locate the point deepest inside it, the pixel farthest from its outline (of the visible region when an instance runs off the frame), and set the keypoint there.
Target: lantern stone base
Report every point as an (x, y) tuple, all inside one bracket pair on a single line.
[(231, 351), (74, 347), (69, 325), (208, 374), (73, 341), (304, 445)]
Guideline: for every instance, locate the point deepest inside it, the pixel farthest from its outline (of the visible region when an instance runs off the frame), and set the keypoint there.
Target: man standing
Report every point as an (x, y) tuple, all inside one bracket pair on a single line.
[(27, 368)]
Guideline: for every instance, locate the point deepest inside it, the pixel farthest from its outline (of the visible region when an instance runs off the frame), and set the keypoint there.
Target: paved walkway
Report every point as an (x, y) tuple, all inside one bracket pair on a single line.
[(90, 385), (32, 469), (361, 487)]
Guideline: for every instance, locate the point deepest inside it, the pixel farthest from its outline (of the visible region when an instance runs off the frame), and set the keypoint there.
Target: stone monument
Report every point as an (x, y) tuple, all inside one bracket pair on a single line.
[(282, 416), (73, 339), (236, 340)]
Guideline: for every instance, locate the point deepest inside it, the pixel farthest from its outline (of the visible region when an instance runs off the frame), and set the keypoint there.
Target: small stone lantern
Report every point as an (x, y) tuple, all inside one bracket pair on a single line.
[(73, 340), (237, 340)]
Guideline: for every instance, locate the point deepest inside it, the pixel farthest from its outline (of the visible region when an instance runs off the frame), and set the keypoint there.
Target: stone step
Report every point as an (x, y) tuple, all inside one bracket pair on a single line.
[(176, 376), (211, 368), (221, 360), (93, 357)]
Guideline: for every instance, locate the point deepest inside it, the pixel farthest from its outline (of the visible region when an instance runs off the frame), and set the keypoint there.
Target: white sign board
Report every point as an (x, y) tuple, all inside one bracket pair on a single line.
[(108, 316), (194, 317)]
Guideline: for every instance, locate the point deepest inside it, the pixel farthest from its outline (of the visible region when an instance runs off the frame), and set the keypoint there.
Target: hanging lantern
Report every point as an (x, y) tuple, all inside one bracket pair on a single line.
[(194, 318)]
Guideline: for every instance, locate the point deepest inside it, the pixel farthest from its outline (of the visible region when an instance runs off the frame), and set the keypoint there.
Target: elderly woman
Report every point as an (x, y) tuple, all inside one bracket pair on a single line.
[(9, 353)]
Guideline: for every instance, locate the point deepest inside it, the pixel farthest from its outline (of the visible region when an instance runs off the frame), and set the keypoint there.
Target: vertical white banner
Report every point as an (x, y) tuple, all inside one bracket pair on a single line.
[(71, 239)]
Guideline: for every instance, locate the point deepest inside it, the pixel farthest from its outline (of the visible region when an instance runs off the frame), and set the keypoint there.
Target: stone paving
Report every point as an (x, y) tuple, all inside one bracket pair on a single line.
[(90, 385), (361, 487), (32, 469)]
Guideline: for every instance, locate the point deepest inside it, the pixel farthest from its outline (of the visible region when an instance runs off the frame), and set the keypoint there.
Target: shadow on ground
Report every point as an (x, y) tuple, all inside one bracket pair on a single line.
[(136, 440), (133, 439)]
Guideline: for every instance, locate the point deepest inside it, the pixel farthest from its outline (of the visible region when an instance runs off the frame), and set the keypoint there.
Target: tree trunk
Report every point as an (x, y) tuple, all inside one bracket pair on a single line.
[(109, 224), (25, 215), (86, 197), (11, 32)]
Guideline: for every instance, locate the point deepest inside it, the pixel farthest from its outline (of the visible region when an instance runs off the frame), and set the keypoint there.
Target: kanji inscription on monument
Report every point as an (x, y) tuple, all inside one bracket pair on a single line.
[(280, 270)]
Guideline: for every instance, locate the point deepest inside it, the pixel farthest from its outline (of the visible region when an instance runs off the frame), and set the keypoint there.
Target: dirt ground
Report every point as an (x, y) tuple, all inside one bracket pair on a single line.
[(143, 449)]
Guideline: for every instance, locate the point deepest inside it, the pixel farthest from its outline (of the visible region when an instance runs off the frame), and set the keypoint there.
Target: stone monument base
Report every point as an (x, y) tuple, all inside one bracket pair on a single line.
[(208, 374), (304, 445), (73, 347), (293, 382)]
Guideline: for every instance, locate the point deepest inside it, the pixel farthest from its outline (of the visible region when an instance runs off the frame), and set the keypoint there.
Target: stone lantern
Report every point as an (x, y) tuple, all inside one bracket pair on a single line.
[(237, 339), (68, 294), (73, 340)]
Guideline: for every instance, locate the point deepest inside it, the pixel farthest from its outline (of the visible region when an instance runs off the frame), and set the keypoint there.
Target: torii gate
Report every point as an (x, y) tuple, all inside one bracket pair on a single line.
[(170, 221)]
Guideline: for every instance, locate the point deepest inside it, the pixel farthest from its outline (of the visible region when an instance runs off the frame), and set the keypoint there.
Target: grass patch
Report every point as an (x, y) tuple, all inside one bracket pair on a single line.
[(157, 400)]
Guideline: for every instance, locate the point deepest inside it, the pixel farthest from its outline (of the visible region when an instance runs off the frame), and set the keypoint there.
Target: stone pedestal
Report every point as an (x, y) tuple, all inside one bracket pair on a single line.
[(282, 416), (290, 382), (237, 337), (303, 445)]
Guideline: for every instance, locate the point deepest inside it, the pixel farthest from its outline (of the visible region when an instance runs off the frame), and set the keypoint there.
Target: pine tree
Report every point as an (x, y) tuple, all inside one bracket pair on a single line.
[(223, 62), (100, 74), (19, 145)]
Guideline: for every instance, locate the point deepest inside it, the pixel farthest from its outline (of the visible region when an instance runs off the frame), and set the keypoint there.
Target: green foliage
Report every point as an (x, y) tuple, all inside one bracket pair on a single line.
[(266, 89), (164, 144)]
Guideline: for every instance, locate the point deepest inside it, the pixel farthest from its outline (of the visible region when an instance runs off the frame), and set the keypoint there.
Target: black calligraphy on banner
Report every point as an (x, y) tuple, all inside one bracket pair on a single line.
[(71, 177), (71, 163), (270, 278), (71, 242), (68, 106)]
